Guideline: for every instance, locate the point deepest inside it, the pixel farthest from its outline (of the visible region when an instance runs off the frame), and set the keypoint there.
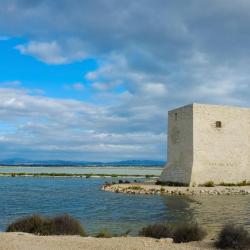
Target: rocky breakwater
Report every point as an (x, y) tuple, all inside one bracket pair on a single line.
[(146, 189)]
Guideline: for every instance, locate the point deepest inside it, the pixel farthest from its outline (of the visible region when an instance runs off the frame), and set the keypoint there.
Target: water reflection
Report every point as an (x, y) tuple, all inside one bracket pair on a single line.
[(212, 211), (179, 208)]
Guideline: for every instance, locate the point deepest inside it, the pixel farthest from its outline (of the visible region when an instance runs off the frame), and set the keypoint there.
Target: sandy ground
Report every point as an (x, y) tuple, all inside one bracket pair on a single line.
[(23, 241)]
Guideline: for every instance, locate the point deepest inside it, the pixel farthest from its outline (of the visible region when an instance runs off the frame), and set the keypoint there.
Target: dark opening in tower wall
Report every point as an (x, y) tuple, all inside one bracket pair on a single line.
[(218, 124)]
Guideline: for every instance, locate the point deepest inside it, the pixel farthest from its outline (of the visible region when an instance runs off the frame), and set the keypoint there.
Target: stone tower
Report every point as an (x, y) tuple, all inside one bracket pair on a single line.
[(208, 143)]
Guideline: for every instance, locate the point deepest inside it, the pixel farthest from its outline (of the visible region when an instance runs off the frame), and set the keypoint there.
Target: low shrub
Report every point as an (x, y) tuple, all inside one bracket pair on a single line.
[(135, 188), (120, 181), (149, 176), (157, 231), (233, 237), (227, 184), (180, 233), (187, 232), (242, 183), (125, 234), (208, 184), (66, 225), (170, 183), (104, 233), (36, 224)]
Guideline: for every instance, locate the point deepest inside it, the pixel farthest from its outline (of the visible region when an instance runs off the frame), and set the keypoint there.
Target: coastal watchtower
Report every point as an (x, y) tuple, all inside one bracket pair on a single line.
[(208, 143)]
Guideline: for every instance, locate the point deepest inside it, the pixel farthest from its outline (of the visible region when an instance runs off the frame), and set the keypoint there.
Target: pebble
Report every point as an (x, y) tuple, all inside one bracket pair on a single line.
[(158, 190)]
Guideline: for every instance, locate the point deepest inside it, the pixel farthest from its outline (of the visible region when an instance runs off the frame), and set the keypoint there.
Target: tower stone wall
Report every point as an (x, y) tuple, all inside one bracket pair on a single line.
[(208, 143)]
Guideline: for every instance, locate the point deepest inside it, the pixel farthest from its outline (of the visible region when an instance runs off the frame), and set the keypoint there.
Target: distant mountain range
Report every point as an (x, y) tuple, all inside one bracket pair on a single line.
[(25, 162)]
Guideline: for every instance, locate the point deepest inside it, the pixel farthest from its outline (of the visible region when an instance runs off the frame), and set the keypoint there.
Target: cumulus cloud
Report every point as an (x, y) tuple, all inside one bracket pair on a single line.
[(70, 128), (46, 52), (168, 43), (51, 52), (152, 56)]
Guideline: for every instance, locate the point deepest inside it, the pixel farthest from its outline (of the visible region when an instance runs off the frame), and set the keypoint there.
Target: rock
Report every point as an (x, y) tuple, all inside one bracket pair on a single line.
[(146, 190), (168, 240)]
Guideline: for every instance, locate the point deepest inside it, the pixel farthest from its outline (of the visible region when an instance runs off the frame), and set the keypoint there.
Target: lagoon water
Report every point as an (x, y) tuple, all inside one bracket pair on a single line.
[(96, 209)]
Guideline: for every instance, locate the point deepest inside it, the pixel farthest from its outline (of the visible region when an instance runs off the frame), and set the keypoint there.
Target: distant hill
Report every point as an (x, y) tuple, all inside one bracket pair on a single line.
[(25, 162)]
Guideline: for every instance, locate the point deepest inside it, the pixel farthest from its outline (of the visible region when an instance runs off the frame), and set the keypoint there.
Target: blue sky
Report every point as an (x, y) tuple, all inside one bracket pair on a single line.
[(33, 74), (93, 80)]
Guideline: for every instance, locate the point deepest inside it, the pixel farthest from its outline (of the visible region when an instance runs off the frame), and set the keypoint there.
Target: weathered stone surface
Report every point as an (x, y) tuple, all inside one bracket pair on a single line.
[(201, 151)]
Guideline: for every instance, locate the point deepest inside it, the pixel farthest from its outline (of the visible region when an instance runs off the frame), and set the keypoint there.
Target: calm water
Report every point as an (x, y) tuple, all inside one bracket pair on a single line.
[(96, 209), (84, 170)]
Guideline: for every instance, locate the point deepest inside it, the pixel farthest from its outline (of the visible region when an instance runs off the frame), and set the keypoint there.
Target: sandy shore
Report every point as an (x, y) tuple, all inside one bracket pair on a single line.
[(144, 188), (23, 241)]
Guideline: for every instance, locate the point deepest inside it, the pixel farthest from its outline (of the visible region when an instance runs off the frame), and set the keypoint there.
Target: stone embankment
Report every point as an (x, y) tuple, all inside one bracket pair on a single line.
[(143, 188)]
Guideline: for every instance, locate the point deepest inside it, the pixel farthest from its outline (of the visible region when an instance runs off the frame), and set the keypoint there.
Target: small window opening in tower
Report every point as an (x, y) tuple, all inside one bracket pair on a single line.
[(175, 116), (218, 124)]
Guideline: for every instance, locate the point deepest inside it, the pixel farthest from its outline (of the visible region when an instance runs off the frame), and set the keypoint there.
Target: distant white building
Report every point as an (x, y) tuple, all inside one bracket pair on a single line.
[(208, 143)]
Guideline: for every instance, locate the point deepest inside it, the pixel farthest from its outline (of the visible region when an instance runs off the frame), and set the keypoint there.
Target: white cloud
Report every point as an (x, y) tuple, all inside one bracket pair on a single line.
[(50, 52), (44, 51), (156, 89), (74, 129), (152, 56)]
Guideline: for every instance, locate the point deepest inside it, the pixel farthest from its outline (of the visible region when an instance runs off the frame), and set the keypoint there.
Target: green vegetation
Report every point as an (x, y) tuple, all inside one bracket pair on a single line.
[(66, 175), (157, 231), (36, 224), (115, 175), (57, 225), (230, 237), (104, 233), (185, 232), (242, 183), (227, 184), (170, 183), (135, 188), (207, 184), (239, 184), (88, 175), (233, 237), (149, 176)]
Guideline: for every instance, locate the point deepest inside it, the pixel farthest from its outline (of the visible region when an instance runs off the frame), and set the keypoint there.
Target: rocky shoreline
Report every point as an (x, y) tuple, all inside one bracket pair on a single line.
[(152, 189)]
